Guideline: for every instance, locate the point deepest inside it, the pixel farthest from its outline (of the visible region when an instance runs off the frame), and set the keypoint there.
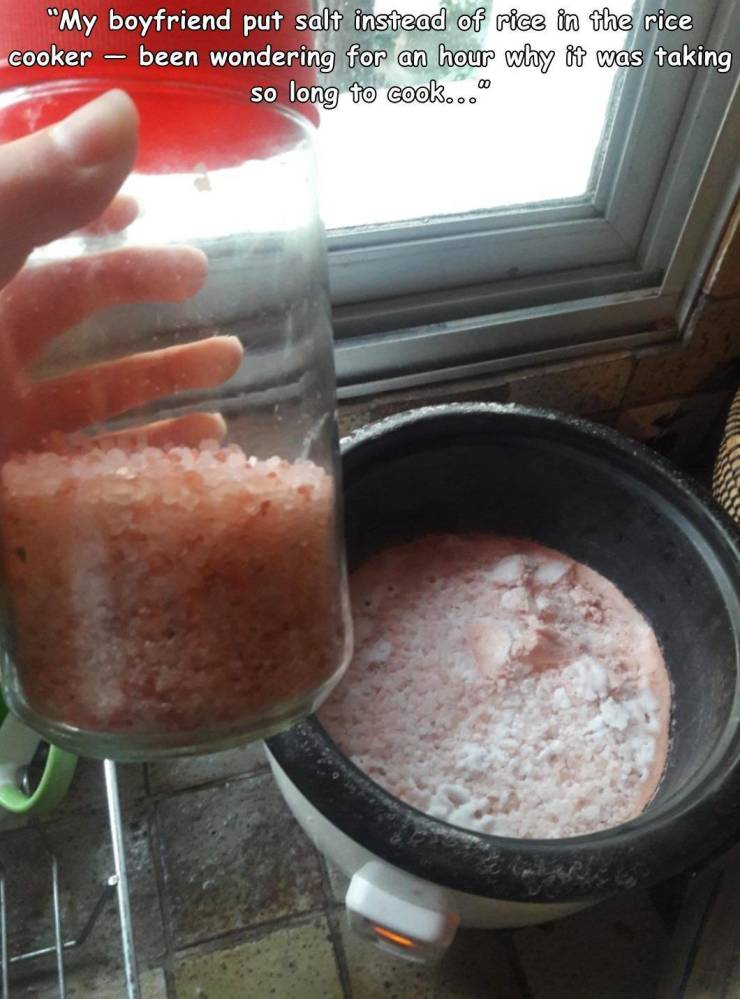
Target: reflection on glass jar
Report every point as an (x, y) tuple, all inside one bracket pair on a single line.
[(172, 560)]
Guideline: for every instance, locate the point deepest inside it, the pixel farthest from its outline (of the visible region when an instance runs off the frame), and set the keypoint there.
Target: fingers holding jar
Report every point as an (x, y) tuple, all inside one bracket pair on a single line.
[(171, 587), (62, 178), (65, 180)]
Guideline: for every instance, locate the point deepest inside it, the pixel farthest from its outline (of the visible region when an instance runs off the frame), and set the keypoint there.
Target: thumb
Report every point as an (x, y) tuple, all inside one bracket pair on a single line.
[(64, 176)]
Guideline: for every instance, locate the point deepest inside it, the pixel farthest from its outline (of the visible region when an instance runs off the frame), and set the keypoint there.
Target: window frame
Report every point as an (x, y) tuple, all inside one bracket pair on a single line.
[(457, 297)]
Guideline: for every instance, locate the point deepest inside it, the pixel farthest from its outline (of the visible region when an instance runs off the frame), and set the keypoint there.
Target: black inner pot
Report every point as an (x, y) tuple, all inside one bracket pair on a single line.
[(616, 507)]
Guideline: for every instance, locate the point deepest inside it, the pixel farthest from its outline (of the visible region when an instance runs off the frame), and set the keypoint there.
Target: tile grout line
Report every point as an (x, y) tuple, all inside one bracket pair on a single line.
[(246, 934), (178, 792), (332, 919), (155, 845), (151, 796)]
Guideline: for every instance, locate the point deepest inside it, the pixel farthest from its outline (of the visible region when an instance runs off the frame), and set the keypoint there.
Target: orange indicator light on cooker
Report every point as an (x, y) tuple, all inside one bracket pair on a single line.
[(395, 938)]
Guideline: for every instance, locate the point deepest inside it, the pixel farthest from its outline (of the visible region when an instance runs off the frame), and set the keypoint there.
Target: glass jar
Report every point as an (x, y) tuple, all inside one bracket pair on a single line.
[(172, 562)]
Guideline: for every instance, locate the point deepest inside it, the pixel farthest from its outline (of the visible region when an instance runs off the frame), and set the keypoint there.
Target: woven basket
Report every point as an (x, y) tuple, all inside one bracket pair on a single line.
[(726, 481)]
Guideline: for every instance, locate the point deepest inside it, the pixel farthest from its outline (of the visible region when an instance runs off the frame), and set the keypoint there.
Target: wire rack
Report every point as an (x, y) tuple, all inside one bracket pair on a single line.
[(116, 884)]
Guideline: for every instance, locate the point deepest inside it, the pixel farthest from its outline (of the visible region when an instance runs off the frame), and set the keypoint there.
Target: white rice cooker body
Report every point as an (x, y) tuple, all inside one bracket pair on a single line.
[(400, 912)]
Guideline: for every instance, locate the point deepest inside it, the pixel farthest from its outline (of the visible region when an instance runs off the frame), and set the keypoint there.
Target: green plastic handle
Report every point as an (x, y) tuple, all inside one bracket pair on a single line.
[(18, 745)]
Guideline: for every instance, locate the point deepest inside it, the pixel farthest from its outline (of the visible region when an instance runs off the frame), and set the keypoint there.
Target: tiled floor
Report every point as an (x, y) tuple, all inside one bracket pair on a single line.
[(295, 961), (230, 900), (251, 866), (82, 845)]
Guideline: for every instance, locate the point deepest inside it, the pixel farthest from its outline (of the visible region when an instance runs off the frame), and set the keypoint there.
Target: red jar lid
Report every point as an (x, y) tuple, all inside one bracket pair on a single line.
[(187, 122)]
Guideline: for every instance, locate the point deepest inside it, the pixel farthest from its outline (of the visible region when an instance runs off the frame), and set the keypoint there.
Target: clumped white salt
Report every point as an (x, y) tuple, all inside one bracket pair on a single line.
[(503, 687), (171, 589)]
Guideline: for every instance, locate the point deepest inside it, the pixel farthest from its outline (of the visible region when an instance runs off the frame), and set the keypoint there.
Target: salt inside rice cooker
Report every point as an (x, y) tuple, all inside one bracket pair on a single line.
[(170, 554), (607, 502)]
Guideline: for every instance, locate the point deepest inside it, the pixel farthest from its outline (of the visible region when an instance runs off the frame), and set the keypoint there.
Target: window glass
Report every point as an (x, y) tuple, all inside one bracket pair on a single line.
[(530, 136)]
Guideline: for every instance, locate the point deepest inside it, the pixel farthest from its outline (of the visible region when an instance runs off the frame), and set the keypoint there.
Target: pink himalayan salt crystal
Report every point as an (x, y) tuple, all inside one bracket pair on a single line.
[(170, 589), (502, 687)]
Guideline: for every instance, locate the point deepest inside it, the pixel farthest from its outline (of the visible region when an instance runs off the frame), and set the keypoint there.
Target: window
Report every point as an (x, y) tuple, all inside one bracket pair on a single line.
[(530, 137), (562, 212)]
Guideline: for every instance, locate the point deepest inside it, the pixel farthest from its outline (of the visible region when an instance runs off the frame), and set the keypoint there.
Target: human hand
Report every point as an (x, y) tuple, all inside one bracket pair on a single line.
[(53, 183)]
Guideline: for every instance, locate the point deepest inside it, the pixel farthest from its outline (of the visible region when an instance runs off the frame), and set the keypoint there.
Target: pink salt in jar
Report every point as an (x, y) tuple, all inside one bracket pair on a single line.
[(172, 565)]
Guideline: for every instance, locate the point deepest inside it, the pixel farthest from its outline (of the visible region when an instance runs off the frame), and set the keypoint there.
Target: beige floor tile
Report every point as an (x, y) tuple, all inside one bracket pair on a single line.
[(98, 986), (234, 857), (295, 962)]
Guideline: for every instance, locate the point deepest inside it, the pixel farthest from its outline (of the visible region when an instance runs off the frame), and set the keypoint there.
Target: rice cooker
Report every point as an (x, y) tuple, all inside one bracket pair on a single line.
[(615, 506)]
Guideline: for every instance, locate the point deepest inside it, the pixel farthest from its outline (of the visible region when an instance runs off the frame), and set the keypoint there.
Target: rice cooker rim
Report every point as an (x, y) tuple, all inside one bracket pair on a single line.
[(580, 868)]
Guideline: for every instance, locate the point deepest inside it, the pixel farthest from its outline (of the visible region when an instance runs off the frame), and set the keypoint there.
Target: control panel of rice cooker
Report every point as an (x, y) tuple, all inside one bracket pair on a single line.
[(395, 925)]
